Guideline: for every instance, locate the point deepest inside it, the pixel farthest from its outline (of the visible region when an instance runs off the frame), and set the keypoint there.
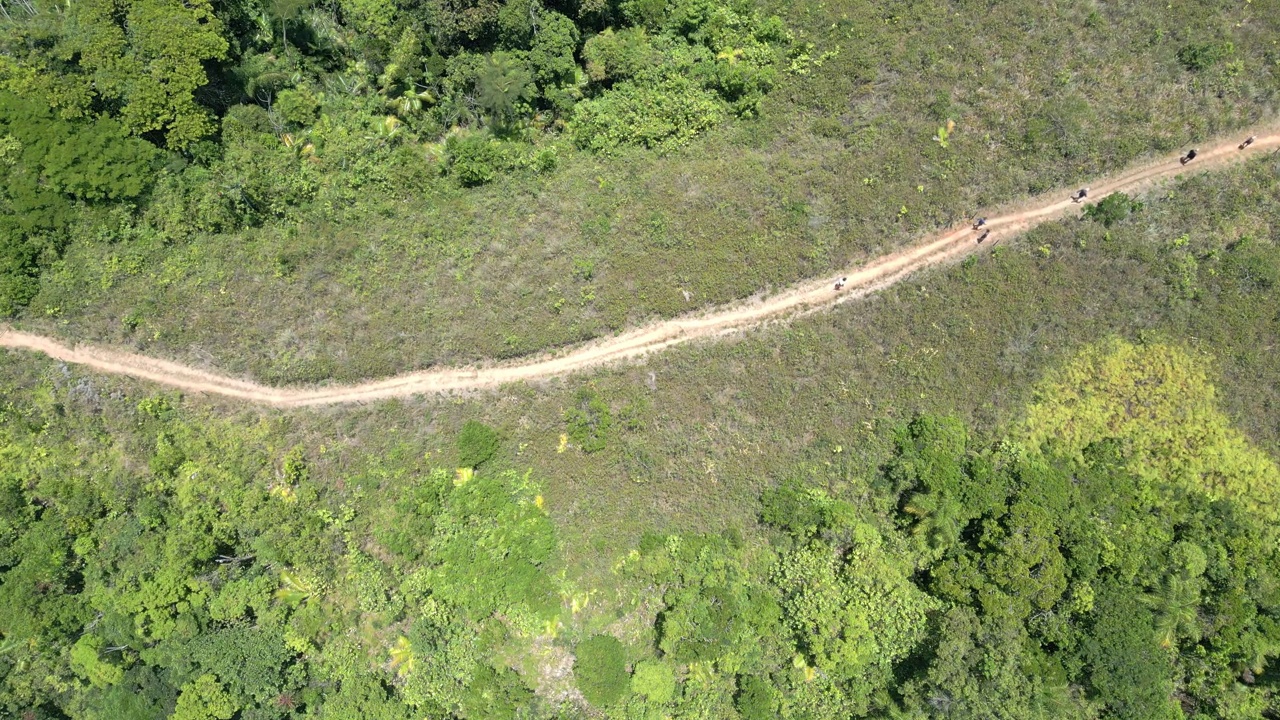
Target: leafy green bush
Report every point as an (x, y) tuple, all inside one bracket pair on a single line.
[(600, 667), (477, 443), (662, 116), (476, 159), (495, 694), (298, 106), (589, 421), (655, 680), (1202, 56), (802, 511), (1112, 209)]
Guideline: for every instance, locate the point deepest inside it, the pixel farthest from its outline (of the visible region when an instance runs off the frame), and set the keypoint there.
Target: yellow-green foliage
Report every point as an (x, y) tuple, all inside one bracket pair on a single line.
[(1157, 399)]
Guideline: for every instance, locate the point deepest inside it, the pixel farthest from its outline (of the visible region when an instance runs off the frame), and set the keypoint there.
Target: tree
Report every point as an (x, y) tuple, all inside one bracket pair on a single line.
[(502, 84), (149, 56), (600, 669), (1112, 209), (286, 11), (477, 443), (204, 699), (655, 680)]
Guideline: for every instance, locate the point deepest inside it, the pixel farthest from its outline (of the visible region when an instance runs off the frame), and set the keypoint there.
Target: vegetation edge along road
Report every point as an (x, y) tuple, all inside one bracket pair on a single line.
[(796, 301)]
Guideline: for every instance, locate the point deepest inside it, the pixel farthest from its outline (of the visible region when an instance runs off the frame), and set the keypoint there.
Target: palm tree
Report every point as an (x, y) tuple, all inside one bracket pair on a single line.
[(294, 590), (502, 83), (939, 520), (1176, 607), (402, 658), (286, 10)]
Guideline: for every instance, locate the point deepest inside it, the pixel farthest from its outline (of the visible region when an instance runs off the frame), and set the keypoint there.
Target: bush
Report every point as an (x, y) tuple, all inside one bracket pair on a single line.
[(298, 106), (477, 443), (601, 670), (590, 421), (664, 116), (1202, 56), (655, 680), (476, 159), (1112, 209), (46, 164)]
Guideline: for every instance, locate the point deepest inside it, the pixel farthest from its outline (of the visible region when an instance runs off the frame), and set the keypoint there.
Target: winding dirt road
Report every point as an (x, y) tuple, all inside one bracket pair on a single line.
[(799, 300)]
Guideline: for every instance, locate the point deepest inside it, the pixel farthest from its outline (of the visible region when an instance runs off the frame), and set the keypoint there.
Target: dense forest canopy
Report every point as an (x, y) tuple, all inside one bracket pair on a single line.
[(267, 101), (160, 563)]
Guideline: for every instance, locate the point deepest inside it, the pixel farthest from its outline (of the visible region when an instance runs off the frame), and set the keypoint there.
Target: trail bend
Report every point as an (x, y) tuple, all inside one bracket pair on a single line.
[(798, 300)]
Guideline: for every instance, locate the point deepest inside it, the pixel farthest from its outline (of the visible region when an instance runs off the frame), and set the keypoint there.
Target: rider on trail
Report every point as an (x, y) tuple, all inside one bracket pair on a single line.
[(1191, 155), (841, 283), (1081, 194), (979, 223), (1248, 141)]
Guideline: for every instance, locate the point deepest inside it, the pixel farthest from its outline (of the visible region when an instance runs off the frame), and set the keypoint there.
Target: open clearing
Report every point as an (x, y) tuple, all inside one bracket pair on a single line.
[(801, 299)]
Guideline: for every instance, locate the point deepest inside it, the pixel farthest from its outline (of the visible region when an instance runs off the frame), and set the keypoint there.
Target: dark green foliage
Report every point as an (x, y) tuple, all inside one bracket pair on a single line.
[(407, 534), (497, 694), (756, 698), (803, 511), (600, 669), (1202, 56), (1129, 672), (661, 116), (503, 83), (477, 159), (477, 443), (590, 421), (1112, 209), (92, 161), (50, 164)]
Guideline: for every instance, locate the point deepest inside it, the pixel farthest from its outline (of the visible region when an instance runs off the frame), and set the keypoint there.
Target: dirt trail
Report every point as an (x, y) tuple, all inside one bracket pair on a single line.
[(799, 300)]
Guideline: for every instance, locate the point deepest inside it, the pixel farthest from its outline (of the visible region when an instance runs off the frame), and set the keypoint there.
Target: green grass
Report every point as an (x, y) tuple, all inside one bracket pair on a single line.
[(819, 397), (377, 283)]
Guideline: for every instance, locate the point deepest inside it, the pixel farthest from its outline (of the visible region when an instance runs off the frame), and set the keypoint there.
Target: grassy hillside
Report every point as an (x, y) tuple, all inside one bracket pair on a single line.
[(704, 532), (387, 270)]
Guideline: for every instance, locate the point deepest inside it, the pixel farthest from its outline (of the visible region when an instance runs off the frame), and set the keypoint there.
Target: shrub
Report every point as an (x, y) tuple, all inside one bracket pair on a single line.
[(589, 421), (664, 115), (1112, 209), (476, 159), (601, 670), (495, 694), (298, 106), (477, 443), (1202, 56), (655, 680)]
